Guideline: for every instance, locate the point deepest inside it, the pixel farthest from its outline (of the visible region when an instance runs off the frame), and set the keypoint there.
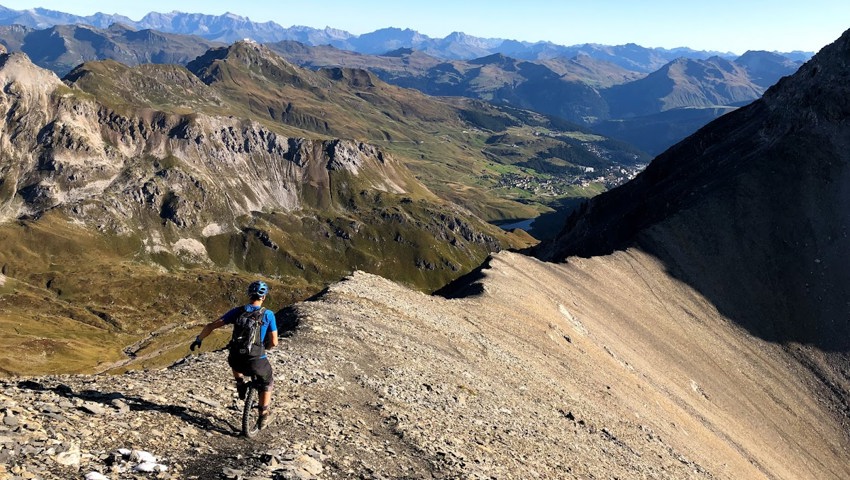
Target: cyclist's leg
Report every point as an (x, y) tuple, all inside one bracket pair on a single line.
[(261, 370), (265, 399), (239, 372)]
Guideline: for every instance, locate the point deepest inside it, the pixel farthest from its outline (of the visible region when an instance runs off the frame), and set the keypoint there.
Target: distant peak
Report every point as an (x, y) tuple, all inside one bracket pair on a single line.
[(243, 52), (355, 77), (457, 37), (762, 54), (248, 44), (394, 29), (250, 48), (120, 27)]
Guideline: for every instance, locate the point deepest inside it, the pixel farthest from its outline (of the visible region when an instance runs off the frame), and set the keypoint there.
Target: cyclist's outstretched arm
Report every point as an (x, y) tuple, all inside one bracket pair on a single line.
[(208, 328)]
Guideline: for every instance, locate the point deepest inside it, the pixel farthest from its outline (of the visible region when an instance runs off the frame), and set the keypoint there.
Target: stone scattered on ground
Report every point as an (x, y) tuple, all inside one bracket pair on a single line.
[(380, 382)]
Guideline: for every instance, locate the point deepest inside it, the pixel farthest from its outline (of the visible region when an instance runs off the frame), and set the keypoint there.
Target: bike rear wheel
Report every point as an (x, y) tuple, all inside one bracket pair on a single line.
[(251, 412)]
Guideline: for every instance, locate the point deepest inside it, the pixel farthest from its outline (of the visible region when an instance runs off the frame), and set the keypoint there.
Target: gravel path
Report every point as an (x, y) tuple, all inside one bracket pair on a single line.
[(535, 377)]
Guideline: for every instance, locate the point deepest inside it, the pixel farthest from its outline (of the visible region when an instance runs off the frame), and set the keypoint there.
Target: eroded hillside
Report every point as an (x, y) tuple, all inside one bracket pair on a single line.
[(547, 372)]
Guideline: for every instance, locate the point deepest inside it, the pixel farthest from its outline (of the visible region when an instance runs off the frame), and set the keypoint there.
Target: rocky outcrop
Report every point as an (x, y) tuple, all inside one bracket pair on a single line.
[(64, 150)]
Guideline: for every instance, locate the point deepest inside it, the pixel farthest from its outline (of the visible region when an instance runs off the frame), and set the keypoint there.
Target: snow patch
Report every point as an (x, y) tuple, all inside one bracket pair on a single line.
[(154, 244)]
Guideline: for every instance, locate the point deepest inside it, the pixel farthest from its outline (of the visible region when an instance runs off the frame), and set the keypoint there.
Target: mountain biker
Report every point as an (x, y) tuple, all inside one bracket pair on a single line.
[(256, 365)]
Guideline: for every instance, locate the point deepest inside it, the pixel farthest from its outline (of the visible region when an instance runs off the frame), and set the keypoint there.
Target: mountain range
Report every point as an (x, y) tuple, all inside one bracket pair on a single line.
[(229, 28), (698, 332), (614, 101), (63, 47), (651, 111), (622, 92)]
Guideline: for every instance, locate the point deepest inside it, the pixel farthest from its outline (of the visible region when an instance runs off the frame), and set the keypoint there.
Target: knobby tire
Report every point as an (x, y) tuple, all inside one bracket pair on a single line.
[(251, 412)]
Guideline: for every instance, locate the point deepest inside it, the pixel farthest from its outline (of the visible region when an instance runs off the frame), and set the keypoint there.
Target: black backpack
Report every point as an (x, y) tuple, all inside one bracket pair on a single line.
[(245, 341)]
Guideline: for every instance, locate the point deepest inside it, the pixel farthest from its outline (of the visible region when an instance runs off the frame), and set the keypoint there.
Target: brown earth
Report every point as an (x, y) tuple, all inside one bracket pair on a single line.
[(599, 368)]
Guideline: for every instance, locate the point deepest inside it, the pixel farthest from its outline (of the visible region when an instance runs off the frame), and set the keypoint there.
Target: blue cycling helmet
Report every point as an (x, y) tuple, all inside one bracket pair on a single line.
[(258, 288)]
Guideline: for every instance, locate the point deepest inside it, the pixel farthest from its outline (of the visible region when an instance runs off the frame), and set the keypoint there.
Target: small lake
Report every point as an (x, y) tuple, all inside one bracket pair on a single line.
[(523, 224)]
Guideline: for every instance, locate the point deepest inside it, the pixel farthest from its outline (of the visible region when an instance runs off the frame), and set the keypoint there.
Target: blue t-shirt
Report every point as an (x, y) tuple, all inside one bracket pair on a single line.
[(269, 322)]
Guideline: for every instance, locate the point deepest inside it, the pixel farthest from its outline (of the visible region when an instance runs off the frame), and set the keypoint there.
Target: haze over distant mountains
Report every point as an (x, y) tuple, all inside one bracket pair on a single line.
[(458, 45), (651, 111), (595, 85)]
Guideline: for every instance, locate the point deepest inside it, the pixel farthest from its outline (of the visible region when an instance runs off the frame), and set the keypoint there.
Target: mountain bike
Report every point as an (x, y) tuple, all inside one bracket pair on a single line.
[(251, 409)]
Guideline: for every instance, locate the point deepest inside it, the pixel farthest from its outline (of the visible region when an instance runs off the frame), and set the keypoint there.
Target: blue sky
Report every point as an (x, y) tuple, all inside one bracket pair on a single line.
[(723, 25)]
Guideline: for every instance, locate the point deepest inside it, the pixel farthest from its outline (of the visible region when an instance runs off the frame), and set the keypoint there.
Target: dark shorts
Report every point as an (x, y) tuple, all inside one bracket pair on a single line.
[(259, 368)]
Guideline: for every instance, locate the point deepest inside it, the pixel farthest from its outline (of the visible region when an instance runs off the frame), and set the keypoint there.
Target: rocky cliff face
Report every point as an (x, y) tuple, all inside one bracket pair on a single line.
[(196, 173)]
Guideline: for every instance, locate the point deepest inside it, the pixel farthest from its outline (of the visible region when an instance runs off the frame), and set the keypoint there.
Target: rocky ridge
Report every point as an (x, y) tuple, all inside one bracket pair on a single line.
[(71, 151), (379, 381), (751, 210)]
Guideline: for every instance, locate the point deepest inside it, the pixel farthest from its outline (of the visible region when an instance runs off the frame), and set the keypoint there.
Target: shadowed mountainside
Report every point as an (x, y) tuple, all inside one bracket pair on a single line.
[(752, 211), (683, 83)]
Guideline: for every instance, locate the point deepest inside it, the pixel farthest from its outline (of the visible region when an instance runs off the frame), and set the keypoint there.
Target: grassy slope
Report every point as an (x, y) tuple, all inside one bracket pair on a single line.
[(77, 306)]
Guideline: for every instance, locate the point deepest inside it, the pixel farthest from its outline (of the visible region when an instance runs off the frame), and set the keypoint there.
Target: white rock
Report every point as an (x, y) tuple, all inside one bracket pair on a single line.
[(71, 458), (96, 476), (150, 467), (142, 456)]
